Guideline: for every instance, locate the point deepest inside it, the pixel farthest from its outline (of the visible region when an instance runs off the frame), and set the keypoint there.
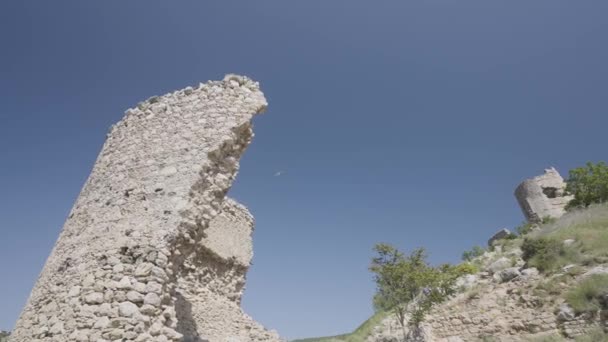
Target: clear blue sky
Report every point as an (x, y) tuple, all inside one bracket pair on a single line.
[(409, 122)]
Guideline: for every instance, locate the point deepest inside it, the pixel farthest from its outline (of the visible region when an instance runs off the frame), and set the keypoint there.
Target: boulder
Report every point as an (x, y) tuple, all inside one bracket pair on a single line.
[(499, 265), (466, 281), (530, 272), (568, 242), (507, 274), (565, 313), (602, 269), (501, 234)]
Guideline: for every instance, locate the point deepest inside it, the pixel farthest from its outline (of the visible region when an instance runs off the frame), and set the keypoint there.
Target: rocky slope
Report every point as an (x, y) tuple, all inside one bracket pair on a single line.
[(511, 300)]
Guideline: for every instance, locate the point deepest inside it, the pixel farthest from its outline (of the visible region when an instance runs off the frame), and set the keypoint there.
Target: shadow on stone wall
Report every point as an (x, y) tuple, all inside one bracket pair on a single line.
[(186, 324)]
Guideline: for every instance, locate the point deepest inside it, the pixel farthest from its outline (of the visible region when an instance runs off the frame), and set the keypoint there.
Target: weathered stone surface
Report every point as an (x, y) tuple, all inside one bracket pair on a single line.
[(499, 265), (507, 274), (466, 281), (93, 298), (601, 269), (152, 249), (543, 196), (530, 272), (565, 313), (506, 311)]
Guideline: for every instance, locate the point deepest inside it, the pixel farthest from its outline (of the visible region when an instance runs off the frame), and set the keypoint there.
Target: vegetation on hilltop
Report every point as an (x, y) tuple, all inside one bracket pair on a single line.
[(589, 294), (473, 253), (562, 250), (586, 234), (588, 185), (544, 248), (359, 335)]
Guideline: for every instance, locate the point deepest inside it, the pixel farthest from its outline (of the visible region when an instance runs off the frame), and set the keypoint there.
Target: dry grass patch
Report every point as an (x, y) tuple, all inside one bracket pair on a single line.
[(586, 296)]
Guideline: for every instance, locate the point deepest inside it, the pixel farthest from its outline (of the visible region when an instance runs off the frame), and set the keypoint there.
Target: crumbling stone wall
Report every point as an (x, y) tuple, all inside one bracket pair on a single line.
[(543, 196), (152, 250)]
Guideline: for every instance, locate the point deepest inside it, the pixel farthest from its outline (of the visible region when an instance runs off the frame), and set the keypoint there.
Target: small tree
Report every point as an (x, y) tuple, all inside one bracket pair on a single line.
[(588, 184), (408, 284)]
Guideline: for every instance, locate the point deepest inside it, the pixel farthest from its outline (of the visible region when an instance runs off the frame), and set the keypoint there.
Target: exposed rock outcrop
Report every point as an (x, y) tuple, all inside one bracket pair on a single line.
[(501, 234), (498, 309), (152, 250)]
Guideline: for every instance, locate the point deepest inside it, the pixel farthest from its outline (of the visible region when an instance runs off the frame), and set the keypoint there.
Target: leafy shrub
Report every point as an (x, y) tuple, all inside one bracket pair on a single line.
[(473, 253), (360, 334), (505, 243), (586, 296), (524, 228), (548, 220), (408, 285), (588, 184), (588, 228), (547, 254), (464, 269), (535, 246)]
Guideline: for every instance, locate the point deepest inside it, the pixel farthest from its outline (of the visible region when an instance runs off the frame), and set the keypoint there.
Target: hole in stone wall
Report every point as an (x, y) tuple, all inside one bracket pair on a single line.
[(550, 192)]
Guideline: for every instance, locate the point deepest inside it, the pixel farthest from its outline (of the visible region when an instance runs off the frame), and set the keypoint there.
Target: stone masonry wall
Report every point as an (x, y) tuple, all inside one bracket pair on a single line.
[(543, 196), (149, 251)]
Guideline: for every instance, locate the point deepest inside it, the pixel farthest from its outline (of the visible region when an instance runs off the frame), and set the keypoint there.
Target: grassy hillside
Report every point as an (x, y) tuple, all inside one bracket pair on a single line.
[(358, 335), (545, 249), (588, 231)]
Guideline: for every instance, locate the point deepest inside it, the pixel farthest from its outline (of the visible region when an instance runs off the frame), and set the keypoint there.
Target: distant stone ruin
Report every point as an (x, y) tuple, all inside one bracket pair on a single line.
[(152, 249), (543, 196)]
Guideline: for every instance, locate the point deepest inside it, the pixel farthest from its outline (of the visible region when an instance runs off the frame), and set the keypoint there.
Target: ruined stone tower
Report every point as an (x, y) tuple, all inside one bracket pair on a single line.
[(543, 196), (152, 250)]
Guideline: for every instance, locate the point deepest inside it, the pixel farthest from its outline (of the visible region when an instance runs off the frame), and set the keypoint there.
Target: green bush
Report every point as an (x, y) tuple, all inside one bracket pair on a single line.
[(473, 253), (548, 220), (407, 285), (464, 269), (524, 228), (586, 296), (588, 184), (539, 247), (588, 228), (547, 254), (360, 334)]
